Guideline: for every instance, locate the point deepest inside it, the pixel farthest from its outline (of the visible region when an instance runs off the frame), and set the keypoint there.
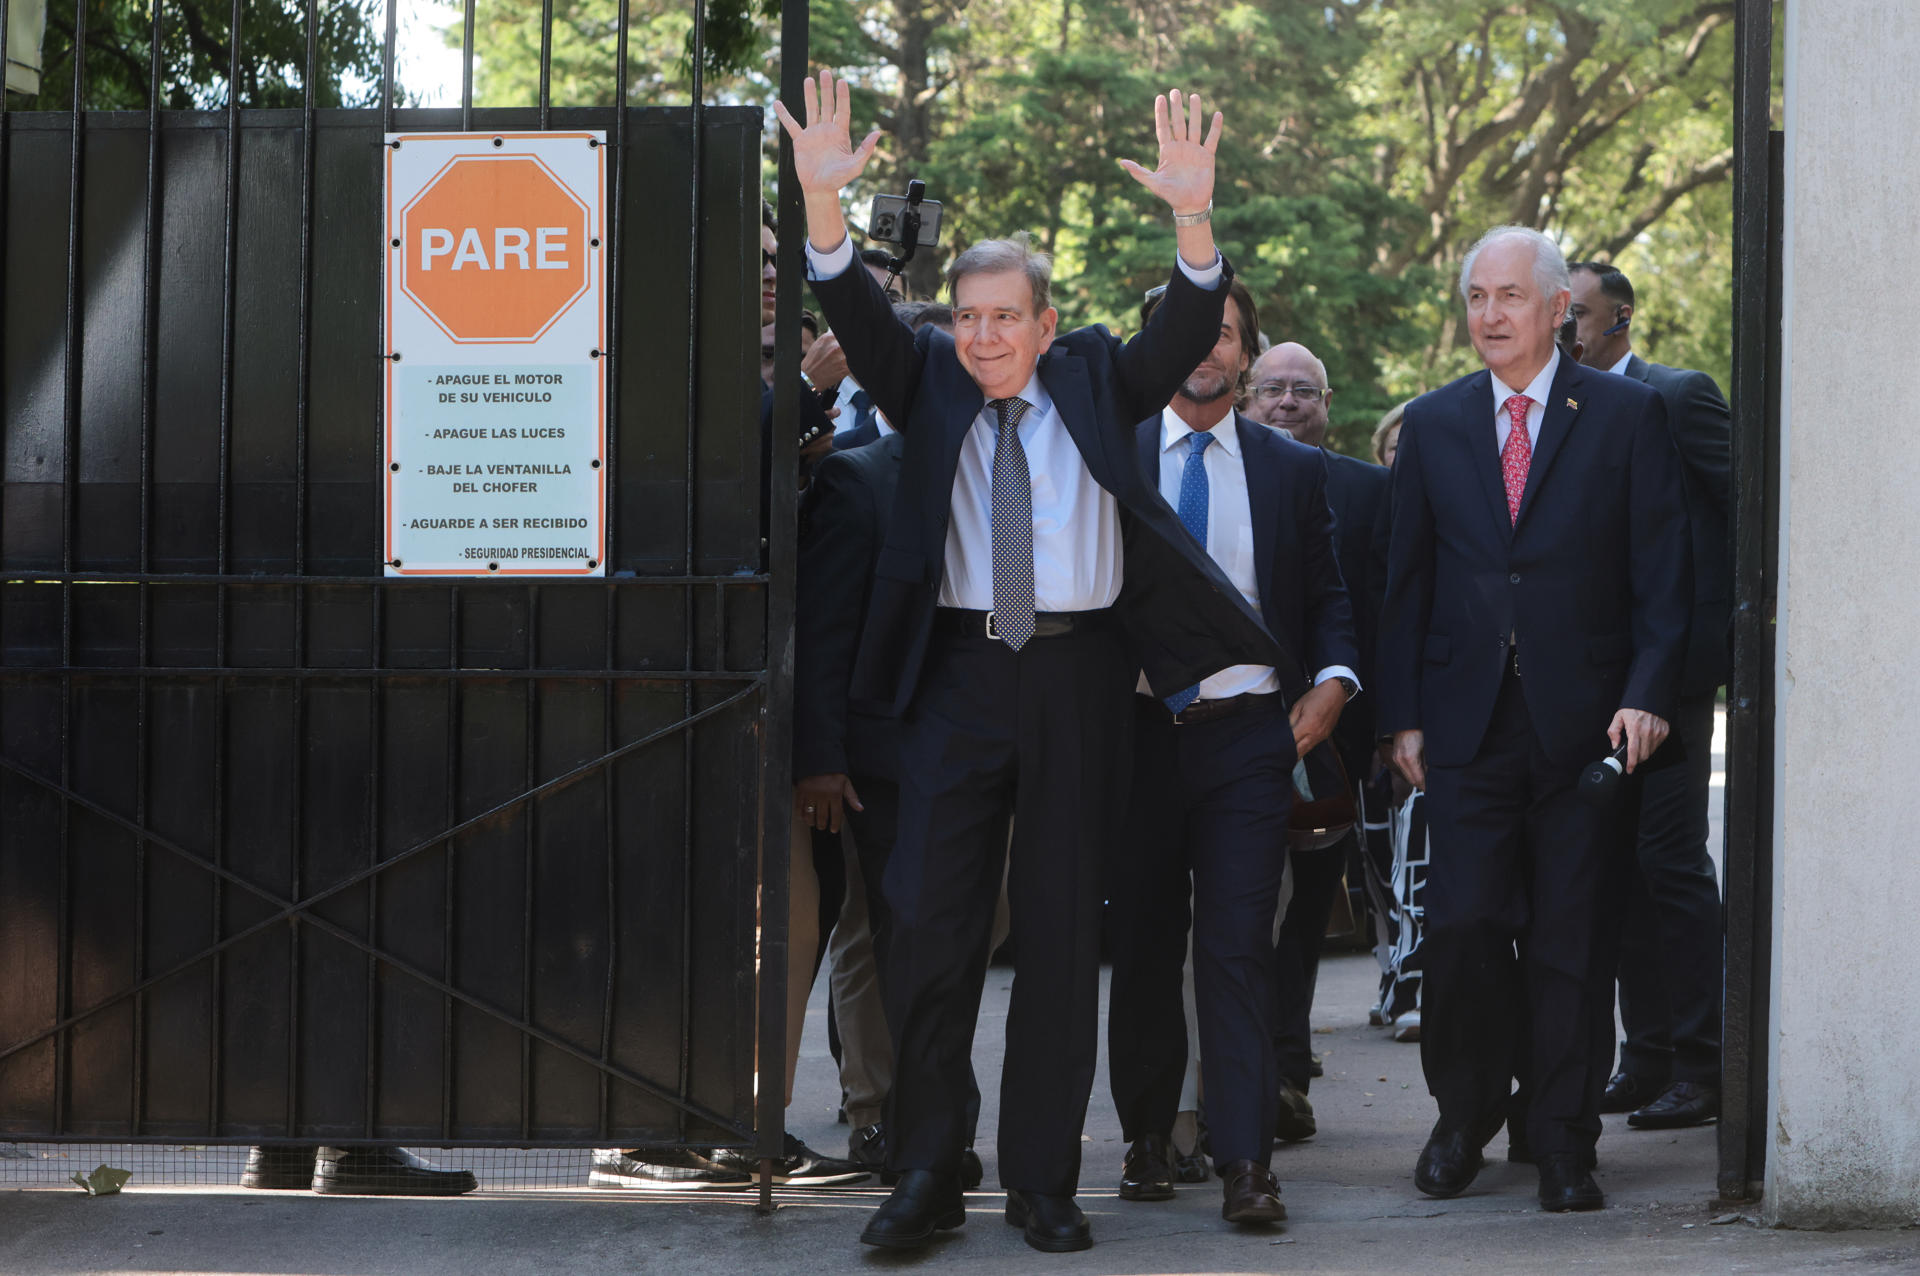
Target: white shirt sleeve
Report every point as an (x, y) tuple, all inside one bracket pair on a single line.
[(834, 264), (1338, 671), (1208, 278)]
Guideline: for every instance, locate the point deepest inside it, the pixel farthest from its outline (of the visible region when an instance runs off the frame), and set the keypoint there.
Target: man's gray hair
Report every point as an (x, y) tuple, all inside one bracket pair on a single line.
[(993, 256), (1549, 263)]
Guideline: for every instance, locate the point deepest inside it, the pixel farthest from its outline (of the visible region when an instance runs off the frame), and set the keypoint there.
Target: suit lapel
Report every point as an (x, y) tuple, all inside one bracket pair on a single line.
[(1476, 409), (1562, 412), (1639, 370), (1263, 502), (1065, 377)]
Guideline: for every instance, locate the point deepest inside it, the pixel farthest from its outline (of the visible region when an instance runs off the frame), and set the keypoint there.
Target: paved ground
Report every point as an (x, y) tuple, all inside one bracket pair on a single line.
[(1349, 1193)]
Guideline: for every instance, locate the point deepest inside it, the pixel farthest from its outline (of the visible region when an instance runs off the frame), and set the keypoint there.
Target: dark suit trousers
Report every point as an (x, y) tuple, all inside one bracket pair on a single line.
[(991, 734), (1518, 858), (1317, 876), (1208, 800), (1671, 943)]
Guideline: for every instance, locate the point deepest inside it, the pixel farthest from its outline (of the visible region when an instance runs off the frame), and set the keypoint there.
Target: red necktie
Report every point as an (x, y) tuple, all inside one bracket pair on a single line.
[(1517, 455)]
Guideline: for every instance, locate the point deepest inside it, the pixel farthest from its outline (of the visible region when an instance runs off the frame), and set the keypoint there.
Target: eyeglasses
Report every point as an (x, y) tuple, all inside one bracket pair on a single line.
[(766, 258), (1274, 391)]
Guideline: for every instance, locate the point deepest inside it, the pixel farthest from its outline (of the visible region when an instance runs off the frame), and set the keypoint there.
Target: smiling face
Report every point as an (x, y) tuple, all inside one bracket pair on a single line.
[(995, 332), (1511, 319), (768, 246), (1290, 393)]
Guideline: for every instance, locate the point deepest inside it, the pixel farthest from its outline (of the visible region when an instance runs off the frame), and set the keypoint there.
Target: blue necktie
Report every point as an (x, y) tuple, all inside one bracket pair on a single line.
[(862, 405), (1194, 494)]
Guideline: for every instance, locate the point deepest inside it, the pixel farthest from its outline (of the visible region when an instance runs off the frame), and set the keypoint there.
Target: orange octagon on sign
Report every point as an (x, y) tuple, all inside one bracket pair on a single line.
[(494, 248)]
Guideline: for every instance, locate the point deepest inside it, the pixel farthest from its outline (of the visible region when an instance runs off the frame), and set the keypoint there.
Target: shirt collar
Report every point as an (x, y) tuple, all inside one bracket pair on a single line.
[(1621, 367), (1538, 389), (1226, 433), (1039, 402)]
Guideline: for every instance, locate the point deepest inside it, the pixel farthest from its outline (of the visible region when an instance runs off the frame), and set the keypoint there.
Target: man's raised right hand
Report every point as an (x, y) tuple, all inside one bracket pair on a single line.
[(824, 157)]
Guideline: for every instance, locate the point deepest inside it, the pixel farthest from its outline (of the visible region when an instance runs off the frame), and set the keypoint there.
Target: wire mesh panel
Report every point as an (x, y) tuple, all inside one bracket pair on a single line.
[(290, 851)]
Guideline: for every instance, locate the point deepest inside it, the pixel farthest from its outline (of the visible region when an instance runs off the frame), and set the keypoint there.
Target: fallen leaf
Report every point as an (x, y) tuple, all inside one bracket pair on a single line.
[(1724, 1219), (104, 1181)]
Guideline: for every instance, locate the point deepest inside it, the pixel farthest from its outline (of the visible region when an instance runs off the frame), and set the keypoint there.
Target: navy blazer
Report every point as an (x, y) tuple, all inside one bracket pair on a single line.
[(1703, 431), (1182, 617), (843, 519), (1594, 578), (1303, 599), (1357, 491)]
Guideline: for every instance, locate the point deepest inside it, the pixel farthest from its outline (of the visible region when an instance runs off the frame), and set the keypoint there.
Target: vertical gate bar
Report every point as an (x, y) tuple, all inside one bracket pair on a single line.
[(775, 724), (527, 816), (611, 364), (229, 268), (70, 494), (449, 897), (1742, 1059), (695, 210), (388, 41), (466, 66), (303, 388), (149, 388), (6, 130), (546, 64), (376, 764)]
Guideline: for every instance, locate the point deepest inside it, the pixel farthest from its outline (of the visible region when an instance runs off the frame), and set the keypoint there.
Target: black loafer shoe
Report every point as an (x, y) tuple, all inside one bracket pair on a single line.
[(923, 1203), (279, 1169), (387, 1171), (1147, 1172), (1053, 1224), (1625, 1092), (1447, 1164), (1681, 1104), (971, 1171), (867, 1146), (1295, 1121), (1566, 1184), (1252, 1194)]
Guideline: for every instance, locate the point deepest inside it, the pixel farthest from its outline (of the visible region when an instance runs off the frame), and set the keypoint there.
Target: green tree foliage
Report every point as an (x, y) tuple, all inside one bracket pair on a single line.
[(196, 50)]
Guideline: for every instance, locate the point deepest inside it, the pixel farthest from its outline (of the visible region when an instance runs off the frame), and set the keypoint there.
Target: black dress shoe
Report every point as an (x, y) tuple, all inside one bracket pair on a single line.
[(1567, 1184), (1294, 1121), (1147, 1172), (1252, 1194), (279, 1169), (1053, 1224), (923, 1203), (1681, 1104), (868, 1146), (387, 1171), (1447, 1164), (1625, 1092)]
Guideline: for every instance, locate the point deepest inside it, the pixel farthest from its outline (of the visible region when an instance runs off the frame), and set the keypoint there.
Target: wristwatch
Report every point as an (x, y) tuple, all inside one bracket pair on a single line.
[(1352, 687)]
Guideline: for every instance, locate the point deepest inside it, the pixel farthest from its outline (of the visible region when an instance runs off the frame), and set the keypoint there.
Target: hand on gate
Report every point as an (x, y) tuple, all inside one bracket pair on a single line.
[(824, 157), (819, 800)]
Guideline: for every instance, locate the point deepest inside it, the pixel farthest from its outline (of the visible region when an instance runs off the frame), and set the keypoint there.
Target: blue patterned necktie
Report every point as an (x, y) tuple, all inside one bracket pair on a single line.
[(1194, 494), (1012, 528), (862, 404)]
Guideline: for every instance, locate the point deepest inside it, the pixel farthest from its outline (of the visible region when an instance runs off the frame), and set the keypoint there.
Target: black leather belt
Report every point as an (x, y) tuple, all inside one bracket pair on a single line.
[(968, 623), (1208, 710)]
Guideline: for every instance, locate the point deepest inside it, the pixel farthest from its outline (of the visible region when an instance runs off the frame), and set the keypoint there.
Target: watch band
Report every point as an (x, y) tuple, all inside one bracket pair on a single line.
[(1200, 218)]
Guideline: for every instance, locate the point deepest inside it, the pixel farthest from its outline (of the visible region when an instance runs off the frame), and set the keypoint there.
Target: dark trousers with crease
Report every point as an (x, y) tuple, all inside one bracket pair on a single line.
[(1036, 736), (1317, 878), (1207, 809), (1671, 947), (1522, 903)]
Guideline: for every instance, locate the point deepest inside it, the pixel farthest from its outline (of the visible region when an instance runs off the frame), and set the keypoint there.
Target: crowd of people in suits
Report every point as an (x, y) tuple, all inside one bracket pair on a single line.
[(1085, 624)]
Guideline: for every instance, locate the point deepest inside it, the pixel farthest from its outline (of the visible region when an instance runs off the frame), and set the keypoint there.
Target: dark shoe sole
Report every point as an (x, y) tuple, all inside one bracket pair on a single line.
[(915, 1240), (1017, 1217), (1250, 1216), (458, 1186), (270, 1183), (1441, 1193), (1142, 1192), (1641, 1122)]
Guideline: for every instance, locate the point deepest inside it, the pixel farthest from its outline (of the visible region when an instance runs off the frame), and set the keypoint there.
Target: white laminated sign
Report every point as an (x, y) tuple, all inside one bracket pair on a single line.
[(495, 443)]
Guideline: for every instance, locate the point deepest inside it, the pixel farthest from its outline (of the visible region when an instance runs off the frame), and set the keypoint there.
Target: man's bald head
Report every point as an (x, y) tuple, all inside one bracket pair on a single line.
[(1290, 392)]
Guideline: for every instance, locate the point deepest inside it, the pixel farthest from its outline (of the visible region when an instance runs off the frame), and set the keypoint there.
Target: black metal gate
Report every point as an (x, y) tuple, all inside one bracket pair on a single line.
[(289, 850)]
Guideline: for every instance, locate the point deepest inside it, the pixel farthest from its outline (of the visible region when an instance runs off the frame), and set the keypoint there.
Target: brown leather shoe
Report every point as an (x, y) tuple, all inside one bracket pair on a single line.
[(1252, 1194)]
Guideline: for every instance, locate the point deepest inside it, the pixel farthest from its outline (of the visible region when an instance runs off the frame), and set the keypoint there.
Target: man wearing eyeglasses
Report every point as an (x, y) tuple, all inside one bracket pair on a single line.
[(1290, 393), (1028, 573)]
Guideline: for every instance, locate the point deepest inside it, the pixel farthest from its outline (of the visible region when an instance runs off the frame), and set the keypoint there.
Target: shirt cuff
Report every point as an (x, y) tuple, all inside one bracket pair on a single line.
[(1338, 671), (1208, 278), (834, 264)]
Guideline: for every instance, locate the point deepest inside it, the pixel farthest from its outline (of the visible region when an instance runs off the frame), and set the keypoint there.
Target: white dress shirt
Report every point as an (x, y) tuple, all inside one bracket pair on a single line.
[(1537, 390), (1620, 368), (1229, 540), (1077, 560)]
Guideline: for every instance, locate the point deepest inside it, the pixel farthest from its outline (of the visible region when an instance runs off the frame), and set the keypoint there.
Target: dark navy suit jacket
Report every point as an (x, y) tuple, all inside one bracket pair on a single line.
[(1183, 619), (1594, 579), (1302, 596)]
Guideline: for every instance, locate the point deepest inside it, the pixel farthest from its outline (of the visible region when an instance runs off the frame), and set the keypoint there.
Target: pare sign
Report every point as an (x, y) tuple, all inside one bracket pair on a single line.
[(495, 246)]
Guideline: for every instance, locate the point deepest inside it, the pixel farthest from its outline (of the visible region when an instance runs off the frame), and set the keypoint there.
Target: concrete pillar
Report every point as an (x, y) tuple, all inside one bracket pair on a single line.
[(1844, 1117)]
